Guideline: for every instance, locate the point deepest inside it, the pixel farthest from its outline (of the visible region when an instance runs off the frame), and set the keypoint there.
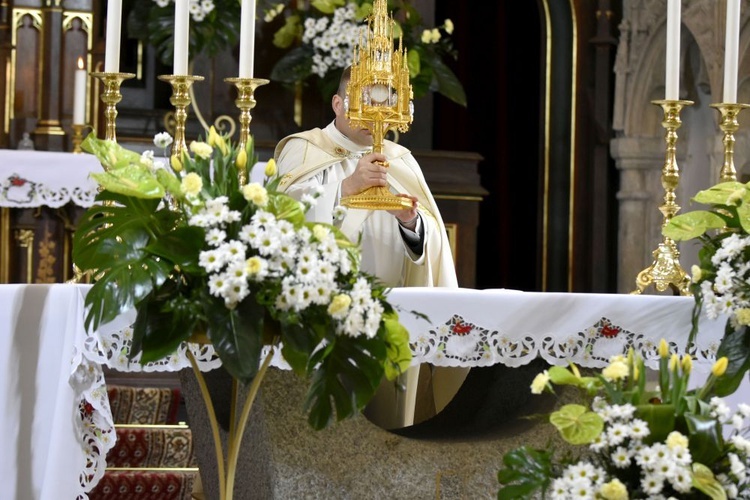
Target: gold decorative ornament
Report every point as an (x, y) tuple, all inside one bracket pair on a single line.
[(729, 125), (180, 100), (666, 271), (110, 97), (379, 98), (77, 138), (245, 103)]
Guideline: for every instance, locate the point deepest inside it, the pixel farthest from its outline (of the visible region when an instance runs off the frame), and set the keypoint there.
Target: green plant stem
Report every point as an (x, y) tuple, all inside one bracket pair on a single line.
[(236, 439)]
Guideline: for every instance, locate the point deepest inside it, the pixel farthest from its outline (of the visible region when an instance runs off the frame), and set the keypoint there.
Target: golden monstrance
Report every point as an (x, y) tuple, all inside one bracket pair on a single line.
[(379, 98)]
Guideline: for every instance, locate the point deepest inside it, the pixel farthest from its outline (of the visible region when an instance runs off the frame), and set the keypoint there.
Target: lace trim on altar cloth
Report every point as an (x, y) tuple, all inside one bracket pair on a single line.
[(20, 192), (461, 343)]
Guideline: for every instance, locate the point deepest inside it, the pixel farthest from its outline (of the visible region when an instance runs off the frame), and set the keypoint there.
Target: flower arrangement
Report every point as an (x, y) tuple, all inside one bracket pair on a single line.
[(720, 282), (320, 39), (214, 26), (192, 250), (663, 443)]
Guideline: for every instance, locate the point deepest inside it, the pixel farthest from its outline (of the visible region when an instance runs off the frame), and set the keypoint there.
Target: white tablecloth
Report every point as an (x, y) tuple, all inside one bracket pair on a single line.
[(37, 178), (57, 427)]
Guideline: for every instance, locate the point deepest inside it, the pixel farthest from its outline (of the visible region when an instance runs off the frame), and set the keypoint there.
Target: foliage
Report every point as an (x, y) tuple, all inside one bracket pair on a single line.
[(721, 283), (320, 39), (214, 26), (192, 250), (639, 443)]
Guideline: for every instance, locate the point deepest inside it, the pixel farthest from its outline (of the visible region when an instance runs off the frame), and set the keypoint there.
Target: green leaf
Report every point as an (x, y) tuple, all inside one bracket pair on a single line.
[(735, 345), (182, 247), (447, 82), (287, 34), (576, 424), (704, 481), (327, 6), (718, 194), (398, 352), (294, 66), (131, 180), (158, 333), (692, 224), (287, 208), (706, 441), (237, 335), (525, 471), (109, 153), (743, 214), (413, 63), (660, 419)]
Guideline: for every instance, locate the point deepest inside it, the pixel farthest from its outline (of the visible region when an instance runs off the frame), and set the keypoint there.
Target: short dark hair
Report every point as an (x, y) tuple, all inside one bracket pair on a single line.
[(346, 75)]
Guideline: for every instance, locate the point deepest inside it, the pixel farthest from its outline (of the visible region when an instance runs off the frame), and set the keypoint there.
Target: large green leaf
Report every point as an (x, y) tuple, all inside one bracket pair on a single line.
[(131, 180), (294, 66), (692, 224), (706, 441), (660, 419), (577, 425), (109, 153), (157, 333), (447, 82), (718, 194), (237, 335), (181, 247), (704, 480), (526, 471), (735, 345), (398, 352), (346, 379)]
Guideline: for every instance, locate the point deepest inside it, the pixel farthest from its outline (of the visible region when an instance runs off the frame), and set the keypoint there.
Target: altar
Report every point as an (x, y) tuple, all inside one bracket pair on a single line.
[(57, 425)]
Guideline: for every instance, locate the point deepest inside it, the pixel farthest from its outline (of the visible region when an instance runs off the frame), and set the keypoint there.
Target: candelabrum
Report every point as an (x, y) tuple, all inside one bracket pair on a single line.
[(666, 271), (77, 138), (110, 97), (180, 100), (729, 125), (245, 102)]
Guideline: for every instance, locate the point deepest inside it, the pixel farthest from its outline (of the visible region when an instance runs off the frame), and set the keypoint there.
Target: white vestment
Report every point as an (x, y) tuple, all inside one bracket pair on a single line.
[(323, 158)]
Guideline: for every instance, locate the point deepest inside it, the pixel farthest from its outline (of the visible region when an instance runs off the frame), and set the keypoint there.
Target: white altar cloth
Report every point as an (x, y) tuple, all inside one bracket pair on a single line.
[(57, 426), (37, 178)]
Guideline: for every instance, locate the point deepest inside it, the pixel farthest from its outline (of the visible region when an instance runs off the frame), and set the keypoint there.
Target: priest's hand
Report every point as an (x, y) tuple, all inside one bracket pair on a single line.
[(368, 173), (407, 217)]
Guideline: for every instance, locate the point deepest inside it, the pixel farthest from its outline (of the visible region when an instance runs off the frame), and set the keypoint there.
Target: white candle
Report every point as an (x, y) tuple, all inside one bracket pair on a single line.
[(247, 38), (79, 95), (112, 47), (731, 51), (181, 31), (673, 50)]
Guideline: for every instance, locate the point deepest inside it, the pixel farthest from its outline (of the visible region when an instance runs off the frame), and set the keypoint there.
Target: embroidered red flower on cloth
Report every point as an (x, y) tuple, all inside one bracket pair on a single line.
[(17, 181), (610, 331), (461, 328)]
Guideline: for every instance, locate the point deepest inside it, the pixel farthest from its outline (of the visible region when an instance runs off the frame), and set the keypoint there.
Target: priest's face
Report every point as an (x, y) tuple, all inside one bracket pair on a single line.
[(361, 136)]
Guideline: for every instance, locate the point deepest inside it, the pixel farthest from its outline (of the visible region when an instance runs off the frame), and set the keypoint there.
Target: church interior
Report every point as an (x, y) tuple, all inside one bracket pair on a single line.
[(549, 176)]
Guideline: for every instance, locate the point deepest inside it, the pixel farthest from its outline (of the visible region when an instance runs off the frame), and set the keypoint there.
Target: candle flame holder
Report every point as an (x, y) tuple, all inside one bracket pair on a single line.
[(245, 102), (180, 100), (77, 138), (729, 125), (111, 97), (666, 272)]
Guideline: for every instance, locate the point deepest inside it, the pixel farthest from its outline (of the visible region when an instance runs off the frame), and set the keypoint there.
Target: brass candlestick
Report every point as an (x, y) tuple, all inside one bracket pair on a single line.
[(666, 271), (729, 125), (379, 98), (180, 100), (77, 138), (110, 97), (245, 102)]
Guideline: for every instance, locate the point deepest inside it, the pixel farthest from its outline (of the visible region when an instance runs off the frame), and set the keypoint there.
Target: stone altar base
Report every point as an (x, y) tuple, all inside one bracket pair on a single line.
[(282, 457)]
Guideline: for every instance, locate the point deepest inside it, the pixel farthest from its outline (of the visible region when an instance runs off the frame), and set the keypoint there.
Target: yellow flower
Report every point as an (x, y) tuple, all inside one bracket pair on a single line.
[(448, 26), (271, 168), (435, 35), (241, 160), (720, 367), (216, 140), (663, 348), (254, 265), (539, 382), (339, 306), (426, 36), (697, 273), (256, 193), (687, 363), (676, 439), (616, 370), (614, 490), (176, 163), (192, 184), (743, 316), (320, 232), (201, 149), (673, 362)]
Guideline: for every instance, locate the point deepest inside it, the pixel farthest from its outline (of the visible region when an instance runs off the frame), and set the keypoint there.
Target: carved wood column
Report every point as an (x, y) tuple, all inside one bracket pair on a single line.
[(5, 49), (49, 134)]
